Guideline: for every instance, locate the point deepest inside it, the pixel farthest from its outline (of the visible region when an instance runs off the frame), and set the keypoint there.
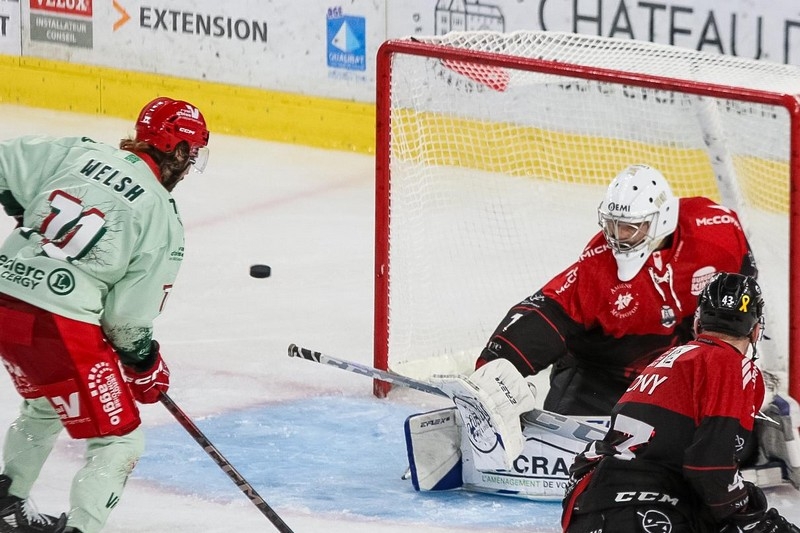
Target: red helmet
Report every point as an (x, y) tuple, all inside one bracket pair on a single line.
[(164, 122)]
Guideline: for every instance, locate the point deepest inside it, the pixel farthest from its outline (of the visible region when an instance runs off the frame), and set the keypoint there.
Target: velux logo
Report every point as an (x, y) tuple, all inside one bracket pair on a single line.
[(76, 7), (71, 407)]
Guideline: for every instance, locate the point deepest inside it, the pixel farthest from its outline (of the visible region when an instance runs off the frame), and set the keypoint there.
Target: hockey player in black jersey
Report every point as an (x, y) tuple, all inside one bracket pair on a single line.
[(670, 462)]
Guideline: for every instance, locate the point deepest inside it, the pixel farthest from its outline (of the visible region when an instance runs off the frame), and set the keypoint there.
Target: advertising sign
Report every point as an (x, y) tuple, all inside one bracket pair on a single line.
[(9, 27), (346, 41), (314, 48), (745, 28), (65, 22), (326, 49)]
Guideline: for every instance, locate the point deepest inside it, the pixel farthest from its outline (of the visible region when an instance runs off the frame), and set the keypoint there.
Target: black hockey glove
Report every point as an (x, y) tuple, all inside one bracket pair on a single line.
[(755, 518), (588, 459), (11, 206)]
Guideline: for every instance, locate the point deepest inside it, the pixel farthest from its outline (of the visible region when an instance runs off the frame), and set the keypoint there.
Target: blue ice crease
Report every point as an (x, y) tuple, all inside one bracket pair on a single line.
[(331, 455)]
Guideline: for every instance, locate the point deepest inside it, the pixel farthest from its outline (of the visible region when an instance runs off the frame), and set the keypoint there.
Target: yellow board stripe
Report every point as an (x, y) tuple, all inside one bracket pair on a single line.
[(244, 111), (438, 139), (350, 126)]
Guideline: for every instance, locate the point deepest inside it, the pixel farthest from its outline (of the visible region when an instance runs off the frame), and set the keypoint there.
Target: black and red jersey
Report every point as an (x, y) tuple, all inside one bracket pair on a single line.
[(679, 430), (587, 320)]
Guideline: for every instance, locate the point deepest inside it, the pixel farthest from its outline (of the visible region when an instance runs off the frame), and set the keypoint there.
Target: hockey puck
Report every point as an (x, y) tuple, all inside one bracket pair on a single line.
[(260, 271)]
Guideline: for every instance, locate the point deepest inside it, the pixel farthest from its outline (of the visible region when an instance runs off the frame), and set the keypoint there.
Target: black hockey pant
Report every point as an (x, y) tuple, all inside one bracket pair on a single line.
[(632, 519)]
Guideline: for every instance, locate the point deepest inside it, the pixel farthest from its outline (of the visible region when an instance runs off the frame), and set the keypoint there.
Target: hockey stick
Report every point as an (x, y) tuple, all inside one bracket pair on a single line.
[(562, 425), (248, 490)]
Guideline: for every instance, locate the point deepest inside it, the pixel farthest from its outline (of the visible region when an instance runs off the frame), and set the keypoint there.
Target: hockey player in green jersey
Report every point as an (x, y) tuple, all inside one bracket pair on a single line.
[(96, 250)]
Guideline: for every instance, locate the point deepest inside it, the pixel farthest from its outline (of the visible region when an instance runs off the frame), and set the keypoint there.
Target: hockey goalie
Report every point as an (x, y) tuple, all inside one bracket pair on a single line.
[(493, 440), (630, 297)]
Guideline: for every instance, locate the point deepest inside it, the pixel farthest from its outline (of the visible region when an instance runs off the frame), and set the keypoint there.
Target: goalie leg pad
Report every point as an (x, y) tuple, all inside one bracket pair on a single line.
[(434, 454), (541, 471), (778, 439), (490, 403)]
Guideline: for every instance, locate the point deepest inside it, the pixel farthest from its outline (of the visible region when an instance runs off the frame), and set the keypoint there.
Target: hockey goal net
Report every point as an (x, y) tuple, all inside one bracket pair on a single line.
[(494, 150)]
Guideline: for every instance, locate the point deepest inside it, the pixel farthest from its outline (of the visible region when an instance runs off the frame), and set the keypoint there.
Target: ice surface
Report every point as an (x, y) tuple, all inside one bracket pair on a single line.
[(313, 441)]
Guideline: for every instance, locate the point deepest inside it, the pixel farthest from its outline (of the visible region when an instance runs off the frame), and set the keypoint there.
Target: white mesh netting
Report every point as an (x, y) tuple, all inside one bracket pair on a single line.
[(496, 172)]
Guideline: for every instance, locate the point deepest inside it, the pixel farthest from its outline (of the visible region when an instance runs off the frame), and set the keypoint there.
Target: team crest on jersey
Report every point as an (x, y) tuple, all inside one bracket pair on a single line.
[(701, 277), (623, 301), (654, 521)]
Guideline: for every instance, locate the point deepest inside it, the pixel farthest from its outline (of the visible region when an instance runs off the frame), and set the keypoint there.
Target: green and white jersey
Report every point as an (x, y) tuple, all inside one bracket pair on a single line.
[(101, 240)]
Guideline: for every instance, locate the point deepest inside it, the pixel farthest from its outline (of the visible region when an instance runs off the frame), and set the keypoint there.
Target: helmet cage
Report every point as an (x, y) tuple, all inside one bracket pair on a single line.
[(636, 214), (628, 234)]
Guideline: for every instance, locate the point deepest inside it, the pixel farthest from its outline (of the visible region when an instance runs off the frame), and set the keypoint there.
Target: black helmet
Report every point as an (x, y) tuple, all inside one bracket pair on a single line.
[(732, 304)]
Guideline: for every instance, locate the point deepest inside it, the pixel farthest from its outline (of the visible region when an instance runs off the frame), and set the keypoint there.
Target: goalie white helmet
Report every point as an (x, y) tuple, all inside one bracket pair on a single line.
[(637, 213)]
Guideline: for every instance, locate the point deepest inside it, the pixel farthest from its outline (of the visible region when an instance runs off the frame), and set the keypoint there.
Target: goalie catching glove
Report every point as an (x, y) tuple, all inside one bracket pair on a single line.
[(148, 379), (490, 403)]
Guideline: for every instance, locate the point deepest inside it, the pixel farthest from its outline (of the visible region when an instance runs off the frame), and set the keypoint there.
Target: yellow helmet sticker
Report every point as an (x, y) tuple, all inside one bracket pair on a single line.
[(745, 301)]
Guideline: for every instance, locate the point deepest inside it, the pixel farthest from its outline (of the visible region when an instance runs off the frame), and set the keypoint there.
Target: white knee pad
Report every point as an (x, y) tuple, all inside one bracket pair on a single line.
[(490, 403)]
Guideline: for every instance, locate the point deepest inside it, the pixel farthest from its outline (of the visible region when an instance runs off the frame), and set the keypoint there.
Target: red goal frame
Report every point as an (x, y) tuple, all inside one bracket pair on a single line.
[(382, 265)]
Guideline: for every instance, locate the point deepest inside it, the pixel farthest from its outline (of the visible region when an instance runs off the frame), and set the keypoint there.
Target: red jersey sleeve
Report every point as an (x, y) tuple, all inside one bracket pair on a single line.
[(728, 389)]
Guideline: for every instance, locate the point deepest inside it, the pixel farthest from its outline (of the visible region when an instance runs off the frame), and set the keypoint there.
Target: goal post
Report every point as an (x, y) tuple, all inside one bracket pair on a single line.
[(493, 151)]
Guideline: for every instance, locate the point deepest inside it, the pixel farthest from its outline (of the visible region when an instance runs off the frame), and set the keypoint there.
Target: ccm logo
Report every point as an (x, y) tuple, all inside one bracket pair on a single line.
[(648, 497)]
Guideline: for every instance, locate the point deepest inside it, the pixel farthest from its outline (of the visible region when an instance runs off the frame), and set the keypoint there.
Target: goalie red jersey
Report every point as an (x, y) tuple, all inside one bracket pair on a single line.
[(598, 331)]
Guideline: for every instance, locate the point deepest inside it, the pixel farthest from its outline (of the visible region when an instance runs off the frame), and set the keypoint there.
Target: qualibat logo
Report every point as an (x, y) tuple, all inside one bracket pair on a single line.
[(347, 37)]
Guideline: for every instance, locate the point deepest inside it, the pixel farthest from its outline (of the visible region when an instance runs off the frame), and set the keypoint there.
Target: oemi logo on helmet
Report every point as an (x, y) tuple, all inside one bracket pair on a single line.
[(613, 206)]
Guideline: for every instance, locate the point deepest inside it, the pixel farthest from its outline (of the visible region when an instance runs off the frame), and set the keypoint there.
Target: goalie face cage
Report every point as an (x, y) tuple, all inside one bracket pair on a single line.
[(494, 150)]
